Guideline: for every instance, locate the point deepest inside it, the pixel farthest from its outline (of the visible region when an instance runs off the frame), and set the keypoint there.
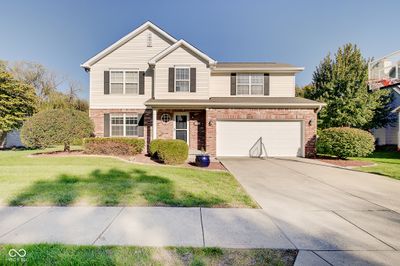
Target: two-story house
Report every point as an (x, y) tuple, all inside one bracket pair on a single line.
[(151, 85)]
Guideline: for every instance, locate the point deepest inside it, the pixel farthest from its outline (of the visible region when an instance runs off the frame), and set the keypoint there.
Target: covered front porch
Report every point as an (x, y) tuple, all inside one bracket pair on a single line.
[(185, 124)]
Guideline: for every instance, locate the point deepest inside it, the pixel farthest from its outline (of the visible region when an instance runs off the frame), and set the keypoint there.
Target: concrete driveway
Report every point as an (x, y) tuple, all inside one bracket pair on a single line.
[(332, 215)]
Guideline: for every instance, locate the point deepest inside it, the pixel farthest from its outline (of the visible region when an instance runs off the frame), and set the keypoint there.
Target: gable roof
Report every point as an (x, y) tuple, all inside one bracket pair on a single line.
[(124, 40), (178, 44)]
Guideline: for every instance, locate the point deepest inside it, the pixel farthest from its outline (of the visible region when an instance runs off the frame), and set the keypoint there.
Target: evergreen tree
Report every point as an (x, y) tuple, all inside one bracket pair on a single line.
[(341, 83)]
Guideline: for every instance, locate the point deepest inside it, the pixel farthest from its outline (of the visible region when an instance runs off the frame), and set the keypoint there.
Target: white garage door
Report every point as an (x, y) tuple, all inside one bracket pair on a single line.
[(253, 138)]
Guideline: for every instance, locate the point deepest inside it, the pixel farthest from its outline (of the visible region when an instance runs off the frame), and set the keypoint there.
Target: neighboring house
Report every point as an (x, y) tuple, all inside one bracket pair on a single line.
[(384, 74), (13, 139), (150, 85)]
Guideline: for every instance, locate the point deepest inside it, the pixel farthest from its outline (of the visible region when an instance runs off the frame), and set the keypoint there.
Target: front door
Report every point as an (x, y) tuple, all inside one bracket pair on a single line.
[(182, 126)]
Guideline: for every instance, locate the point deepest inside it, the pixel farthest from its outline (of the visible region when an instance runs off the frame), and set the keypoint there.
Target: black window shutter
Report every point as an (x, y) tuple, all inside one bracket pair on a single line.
[(106, 125), (266, 84), (233, 83), (171, 79), (141, 82), (193, 80), (106, 82)]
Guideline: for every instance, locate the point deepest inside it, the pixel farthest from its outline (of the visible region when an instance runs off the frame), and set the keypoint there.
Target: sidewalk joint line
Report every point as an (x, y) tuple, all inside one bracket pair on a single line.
[(108, 226), (365, 231), (202, 227), (27, 221), (316, 254)]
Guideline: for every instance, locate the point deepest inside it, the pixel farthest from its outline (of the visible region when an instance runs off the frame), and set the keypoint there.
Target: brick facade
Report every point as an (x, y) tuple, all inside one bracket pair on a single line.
[(306, 115), (196, 126), (202, 123)]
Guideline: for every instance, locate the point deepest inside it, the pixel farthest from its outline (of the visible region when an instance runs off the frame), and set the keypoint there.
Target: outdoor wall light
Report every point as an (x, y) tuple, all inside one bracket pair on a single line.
[(310, 123), (211, 123)]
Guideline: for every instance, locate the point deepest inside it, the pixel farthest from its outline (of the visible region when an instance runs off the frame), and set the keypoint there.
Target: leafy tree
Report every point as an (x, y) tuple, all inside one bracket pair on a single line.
[(48, 86), (54, 127), (341, 83), (305, 91), (17, 101)]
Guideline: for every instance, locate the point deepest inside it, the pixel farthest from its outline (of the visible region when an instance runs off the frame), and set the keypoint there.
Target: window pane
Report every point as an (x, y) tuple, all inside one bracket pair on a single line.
[(257, 89), (116, 76), (243, 78), (131, 120), (117, 88), (131, 130), (182, 86), (181, 134), (131, 76), (182, 73), (117, 120), (131, 88), (243, 89), (181, 122), (117, 130), (257, 79)]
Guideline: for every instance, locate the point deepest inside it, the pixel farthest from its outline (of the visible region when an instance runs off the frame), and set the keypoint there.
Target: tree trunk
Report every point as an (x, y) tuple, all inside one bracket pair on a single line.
[(2, 139), (67, 147)]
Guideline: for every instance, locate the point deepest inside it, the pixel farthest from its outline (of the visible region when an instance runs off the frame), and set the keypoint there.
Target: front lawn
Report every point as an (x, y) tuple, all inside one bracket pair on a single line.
[(101, 181), (55, 254), (387, 163)]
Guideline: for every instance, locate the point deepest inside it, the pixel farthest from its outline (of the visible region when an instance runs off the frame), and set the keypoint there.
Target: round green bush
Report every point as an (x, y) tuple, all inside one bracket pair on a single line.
[(345, 142), (170, 151), (56, 127)]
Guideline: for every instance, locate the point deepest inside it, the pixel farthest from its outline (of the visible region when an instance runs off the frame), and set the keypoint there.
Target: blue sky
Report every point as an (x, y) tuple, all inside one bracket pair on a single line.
[(63, 34)]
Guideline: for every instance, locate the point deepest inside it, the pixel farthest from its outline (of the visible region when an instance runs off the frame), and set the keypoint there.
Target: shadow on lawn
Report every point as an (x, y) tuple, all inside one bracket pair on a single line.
[(111, 188)]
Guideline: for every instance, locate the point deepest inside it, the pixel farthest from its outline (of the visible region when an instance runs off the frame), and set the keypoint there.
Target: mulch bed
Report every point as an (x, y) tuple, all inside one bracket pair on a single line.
[(343, 162), (139, 158)]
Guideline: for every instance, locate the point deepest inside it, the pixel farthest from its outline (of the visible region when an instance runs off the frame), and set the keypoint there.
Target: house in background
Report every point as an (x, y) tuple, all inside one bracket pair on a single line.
[(150, 85), (384, 74)]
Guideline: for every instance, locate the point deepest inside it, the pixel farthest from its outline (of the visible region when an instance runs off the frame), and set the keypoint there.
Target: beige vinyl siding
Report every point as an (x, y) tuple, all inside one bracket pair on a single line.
[(281, 85), (132, 55), (181, 57)]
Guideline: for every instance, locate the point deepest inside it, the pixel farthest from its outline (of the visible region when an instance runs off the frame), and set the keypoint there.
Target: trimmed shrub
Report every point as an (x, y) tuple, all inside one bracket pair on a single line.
[(345, 142), (56, 127), (154, 147), (114, 146), (170, 151)]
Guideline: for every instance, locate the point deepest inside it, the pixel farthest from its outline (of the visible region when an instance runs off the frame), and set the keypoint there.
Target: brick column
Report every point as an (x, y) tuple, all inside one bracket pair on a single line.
[(211, 130)]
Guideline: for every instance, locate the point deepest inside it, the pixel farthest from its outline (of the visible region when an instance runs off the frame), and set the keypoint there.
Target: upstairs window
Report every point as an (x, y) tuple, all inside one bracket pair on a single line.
[(182, 79), (124, 125), (124, 82), (250, 84)]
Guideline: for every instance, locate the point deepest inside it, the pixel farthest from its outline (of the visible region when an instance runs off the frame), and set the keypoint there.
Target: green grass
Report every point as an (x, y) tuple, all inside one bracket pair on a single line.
[(101, 181), (56, 254), (387, 163)]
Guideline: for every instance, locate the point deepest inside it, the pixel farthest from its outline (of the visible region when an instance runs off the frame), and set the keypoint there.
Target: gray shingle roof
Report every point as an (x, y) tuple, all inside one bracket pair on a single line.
[(238, 102)]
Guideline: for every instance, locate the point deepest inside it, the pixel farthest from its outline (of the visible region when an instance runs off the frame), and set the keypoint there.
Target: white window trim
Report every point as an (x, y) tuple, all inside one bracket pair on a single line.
[(124, 115), (249, 84), (175, 79), (124, 80)]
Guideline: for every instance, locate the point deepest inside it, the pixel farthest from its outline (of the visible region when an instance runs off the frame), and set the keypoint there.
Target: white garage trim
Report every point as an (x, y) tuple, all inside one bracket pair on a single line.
[(243, 138)]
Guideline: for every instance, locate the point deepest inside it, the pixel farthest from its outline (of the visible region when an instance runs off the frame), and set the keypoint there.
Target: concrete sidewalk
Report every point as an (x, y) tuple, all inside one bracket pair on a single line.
[(142, 226)]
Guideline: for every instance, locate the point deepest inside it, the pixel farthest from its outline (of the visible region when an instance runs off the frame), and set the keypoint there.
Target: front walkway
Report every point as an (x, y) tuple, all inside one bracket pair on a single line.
[(141, 226)]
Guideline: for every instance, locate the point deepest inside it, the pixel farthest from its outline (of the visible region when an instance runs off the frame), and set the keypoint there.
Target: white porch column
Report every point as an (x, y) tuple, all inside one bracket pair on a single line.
[(154, 124)]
